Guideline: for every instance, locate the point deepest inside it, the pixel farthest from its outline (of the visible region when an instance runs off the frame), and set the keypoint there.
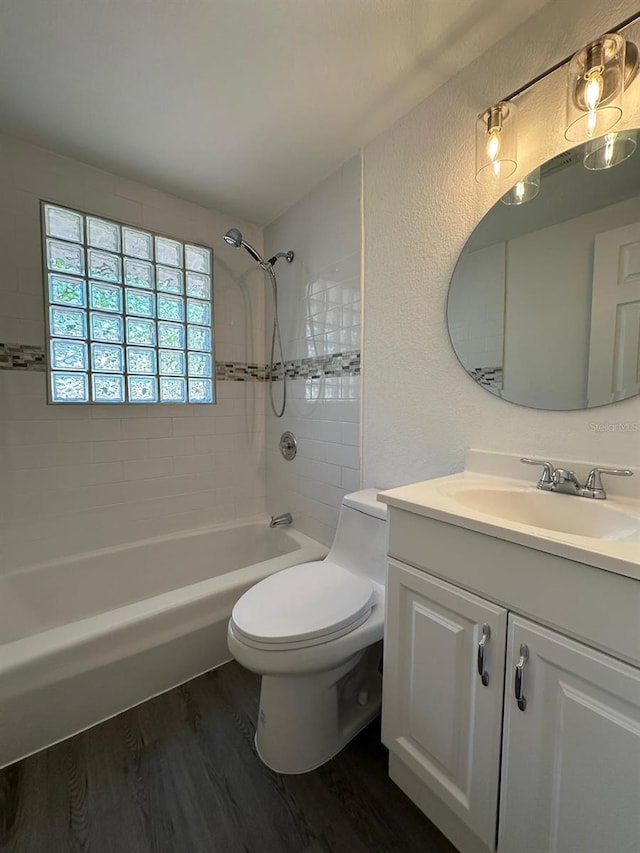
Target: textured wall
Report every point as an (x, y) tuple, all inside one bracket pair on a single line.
[(319, 297), (420, 205), (74, 478)]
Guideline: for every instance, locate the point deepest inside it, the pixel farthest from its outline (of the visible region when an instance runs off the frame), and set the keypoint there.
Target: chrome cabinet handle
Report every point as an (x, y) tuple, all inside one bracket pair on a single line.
[(519, 682), (482, 645)]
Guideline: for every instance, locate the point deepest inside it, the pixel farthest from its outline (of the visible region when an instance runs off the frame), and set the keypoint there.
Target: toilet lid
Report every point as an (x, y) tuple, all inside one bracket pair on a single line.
[(304, 602)]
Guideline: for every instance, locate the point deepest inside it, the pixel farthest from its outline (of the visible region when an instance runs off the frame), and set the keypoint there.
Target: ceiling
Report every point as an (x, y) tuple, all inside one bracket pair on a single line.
[(240, 105)]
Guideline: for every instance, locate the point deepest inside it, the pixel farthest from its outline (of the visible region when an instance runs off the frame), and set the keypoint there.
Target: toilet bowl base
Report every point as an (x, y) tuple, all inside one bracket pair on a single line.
[(304, 721)]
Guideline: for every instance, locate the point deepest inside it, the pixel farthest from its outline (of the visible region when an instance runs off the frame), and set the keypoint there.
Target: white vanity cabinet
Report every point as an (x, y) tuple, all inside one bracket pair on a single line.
[(558, 772), (571, 758), (439, 717)]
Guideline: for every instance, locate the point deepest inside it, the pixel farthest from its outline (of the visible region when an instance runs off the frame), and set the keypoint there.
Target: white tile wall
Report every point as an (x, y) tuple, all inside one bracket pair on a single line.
[(78, 478), (74, 479), (319, 298)]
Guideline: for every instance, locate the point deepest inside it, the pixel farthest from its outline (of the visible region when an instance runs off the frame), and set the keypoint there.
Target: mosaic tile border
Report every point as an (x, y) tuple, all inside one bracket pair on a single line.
[(22, 357), (28, 357), (239, 371), (335, 364)]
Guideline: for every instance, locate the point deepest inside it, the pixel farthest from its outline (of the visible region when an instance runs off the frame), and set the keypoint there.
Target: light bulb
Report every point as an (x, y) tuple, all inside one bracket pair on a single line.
[(593, 89), (592, 94), (519, 190), (496, 142), (596, 77), (493, 144)]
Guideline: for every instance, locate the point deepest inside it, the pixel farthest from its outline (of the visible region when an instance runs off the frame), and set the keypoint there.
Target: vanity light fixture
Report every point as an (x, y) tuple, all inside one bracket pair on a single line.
[(597, 76), (610, 150), (496, 143), (524, 190)]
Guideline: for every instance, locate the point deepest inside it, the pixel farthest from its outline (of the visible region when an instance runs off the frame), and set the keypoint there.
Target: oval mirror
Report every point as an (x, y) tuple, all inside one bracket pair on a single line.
[(544, 302)]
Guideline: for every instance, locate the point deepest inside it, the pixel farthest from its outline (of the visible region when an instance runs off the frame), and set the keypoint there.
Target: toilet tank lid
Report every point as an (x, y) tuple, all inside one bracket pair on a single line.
[(365, 501)]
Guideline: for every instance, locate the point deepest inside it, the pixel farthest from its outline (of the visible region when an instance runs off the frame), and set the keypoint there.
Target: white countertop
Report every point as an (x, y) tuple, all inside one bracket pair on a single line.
[(436, 499)]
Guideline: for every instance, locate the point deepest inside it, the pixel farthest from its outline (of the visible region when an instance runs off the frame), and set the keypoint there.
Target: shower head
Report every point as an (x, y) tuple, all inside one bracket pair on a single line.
[(233, 237)]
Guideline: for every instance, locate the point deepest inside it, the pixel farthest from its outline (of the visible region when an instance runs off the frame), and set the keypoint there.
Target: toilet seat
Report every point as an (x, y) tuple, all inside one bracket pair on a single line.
[(303, 606)]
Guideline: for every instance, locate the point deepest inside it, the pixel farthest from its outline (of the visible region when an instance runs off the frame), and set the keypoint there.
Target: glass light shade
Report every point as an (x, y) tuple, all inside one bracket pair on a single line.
[(595, 88), (524, 190), (609, 150), (496, 143)]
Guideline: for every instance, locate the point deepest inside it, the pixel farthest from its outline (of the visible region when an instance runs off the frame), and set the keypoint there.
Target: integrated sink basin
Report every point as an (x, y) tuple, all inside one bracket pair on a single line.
[(496, 495), (576, 516)]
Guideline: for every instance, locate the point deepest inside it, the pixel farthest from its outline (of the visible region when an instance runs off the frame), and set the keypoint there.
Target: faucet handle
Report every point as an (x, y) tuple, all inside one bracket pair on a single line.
[(594, 480), (546, 478)]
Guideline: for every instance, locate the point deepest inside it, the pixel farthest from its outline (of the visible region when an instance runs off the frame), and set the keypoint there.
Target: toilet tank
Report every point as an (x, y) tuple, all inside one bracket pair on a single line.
[(360, 543)]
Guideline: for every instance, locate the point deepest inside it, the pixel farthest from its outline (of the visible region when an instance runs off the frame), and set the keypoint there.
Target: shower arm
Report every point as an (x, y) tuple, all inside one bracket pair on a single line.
[(288, 256)]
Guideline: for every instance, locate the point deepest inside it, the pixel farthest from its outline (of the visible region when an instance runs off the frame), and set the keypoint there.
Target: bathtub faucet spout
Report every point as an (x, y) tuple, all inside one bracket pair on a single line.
[(279, 520)]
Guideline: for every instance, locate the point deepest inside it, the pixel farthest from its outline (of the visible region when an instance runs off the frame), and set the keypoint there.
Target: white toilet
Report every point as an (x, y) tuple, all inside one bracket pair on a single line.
[(314, 633)]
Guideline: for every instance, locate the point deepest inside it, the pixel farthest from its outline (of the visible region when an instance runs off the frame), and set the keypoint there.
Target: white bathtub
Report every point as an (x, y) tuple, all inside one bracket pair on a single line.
[(84, 639)]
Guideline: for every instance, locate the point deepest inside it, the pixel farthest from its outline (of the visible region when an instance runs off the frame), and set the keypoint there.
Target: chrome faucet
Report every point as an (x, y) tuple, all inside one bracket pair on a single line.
[(279, 520), (565, 482)]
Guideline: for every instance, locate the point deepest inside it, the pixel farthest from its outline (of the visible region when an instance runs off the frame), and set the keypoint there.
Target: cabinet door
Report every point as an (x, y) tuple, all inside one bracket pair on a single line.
[(438, 716), (571, 758)]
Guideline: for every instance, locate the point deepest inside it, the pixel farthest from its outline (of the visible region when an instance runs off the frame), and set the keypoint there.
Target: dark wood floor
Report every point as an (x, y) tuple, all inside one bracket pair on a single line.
[(179, 774)]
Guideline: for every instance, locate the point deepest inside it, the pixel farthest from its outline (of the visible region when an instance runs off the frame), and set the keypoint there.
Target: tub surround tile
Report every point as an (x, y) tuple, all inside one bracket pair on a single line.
[(93, 477), (320, 313), (192, 474), (73, 494), (350, 479), (149, 427)]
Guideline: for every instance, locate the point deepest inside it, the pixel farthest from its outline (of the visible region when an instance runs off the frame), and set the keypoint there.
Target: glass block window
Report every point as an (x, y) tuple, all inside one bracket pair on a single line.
[(129, 313)]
